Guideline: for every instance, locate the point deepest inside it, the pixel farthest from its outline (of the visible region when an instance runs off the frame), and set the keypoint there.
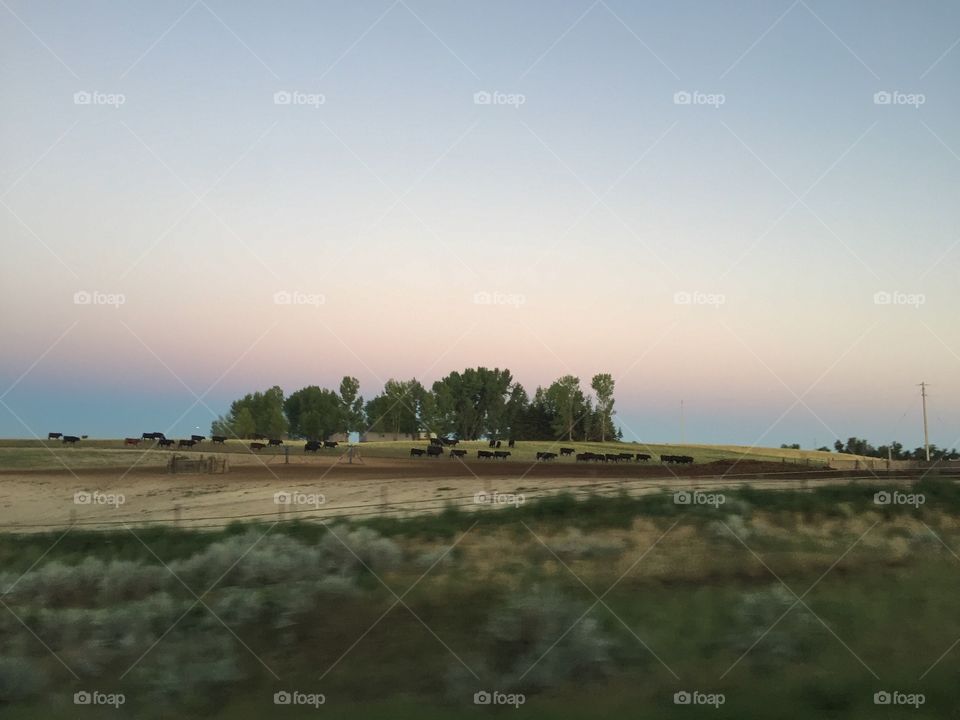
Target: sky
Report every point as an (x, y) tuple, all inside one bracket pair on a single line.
[(749, 207)]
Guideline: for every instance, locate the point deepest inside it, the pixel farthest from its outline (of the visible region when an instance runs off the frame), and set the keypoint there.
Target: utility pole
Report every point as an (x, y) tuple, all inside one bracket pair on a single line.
[(926, 437)]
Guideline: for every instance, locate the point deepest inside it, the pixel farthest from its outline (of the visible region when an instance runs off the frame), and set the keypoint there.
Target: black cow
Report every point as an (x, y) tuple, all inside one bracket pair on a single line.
[(458, 453), (198, 438), (436, 442), (312, 446), (330, 443), (512, 443), (612, 457), (590, 457), (492, 443), (163, 442), (221, 439), (416, 452), (626, 456), (642, 457), (70, 439), (501, 454), (567, 451), (275, 442), (153, 436), (54, 436), (257, 446), (435, 451), (546, 455), (481, 454), (131, 441), (186, 443)]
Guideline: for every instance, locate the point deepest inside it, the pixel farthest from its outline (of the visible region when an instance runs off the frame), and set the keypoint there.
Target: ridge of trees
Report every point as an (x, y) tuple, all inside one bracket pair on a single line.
[(470, 404), (894, 451)]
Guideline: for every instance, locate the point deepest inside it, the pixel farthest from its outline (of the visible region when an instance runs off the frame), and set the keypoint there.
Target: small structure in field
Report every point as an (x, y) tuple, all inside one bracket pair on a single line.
[(184, 465)]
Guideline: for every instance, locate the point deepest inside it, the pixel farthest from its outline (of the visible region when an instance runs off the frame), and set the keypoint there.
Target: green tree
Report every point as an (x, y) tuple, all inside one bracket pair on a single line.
[(566, 396), (395, 410), (243, 424), (352, 404), (258, 412), (314, 413), (602, 384)]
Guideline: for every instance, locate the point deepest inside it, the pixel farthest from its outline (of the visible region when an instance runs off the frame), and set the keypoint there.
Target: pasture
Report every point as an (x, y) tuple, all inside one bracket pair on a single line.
[(693, 598), (50, 454)]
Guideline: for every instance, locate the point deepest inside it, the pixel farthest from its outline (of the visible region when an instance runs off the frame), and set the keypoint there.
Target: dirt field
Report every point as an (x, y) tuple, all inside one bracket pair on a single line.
[(318, 487)]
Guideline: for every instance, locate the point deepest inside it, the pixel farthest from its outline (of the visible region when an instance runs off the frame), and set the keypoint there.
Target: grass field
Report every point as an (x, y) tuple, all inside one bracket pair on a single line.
[(42, 454), (693, 598)]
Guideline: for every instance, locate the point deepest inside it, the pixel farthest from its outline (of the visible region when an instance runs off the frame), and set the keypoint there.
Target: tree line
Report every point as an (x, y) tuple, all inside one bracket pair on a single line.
[(894, 451), (470, 404)]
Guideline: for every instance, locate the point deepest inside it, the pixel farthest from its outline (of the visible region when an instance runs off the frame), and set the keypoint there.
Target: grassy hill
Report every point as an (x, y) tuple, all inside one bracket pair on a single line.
[(16, 454)]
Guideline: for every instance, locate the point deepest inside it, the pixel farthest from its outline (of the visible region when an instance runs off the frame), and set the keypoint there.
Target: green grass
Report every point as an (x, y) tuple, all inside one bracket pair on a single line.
[(43, 454), (890, 599)]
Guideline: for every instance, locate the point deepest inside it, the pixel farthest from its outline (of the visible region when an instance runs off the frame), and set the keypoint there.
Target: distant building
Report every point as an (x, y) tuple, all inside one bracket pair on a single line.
[(389, 437)]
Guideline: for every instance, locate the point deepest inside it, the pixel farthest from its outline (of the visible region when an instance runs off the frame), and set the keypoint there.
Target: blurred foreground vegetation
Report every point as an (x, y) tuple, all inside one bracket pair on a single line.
[(789, 603)]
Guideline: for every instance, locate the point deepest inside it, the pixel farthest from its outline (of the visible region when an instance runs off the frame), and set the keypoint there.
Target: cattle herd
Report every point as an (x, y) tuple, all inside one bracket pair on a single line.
[(434, 449)]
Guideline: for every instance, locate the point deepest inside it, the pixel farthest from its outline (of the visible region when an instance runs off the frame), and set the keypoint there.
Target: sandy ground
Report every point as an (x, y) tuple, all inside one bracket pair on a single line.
[(43, 500)]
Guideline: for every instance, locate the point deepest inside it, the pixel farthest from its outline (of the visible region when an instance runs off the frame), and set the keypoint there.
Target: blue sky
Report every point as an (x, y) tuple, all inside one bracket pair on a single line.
[(587, 188)]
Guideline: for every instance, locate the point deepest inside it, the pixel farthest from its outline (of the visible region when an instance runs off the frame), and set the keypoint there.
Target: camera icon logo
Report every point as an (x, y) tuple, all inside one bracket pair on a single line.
[(282, 698), (282, 97), (82, 297), (482, 697), (882, 498), (82, 98), (681, 497), (882, 698), (682, 697), (882, 98), (82, 697), (682, 97), (482, 97), (282, 498)]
